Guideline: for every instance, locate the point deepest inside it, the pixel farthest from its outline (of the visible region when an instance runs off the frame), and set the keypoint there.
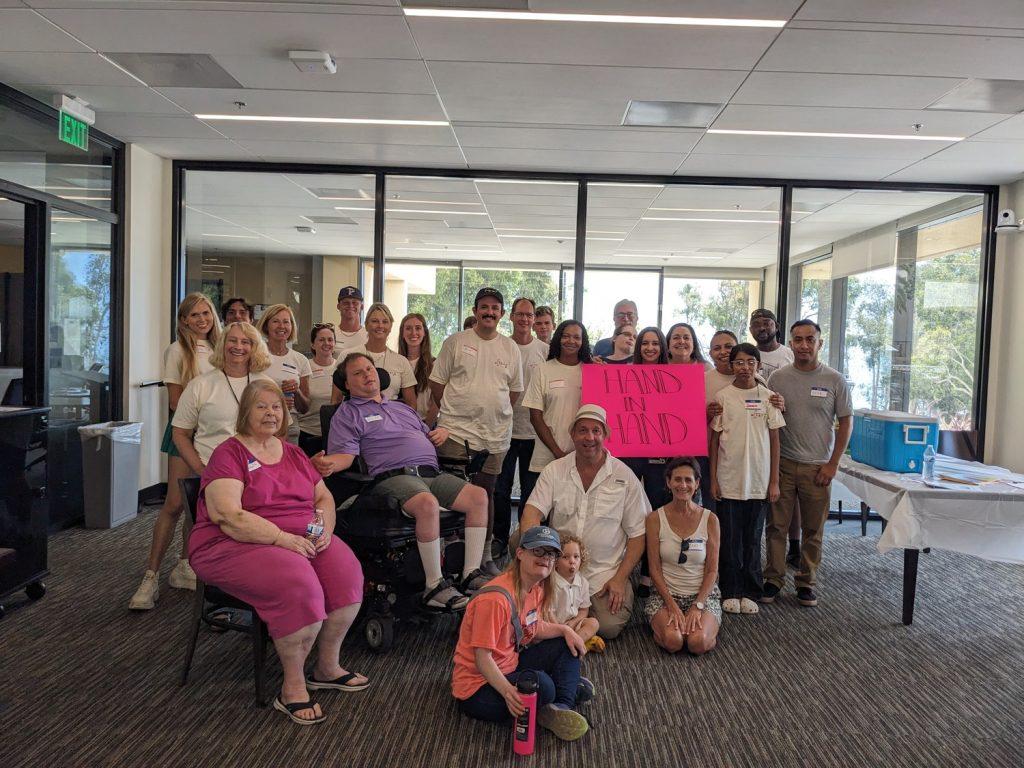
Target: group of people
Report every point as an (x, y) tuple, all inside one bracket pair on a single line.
[(246, 417)]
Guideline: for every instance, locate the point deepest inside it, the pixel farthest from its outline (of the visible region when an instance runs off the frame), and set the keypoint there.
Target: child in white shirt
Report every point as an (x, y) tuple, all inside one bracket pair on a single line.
[(570, 604)]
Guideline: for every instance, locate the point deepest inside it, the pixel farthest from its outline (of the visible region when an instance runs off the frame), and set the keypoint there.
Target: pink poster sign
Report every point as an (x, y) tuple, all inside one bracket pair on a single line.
[(653, 410)]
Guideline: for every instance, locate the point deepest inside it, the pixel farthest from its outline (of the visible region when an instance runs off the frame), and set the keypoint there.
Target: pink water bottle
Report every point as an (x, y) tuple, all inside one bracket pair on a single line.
[(525, 727)]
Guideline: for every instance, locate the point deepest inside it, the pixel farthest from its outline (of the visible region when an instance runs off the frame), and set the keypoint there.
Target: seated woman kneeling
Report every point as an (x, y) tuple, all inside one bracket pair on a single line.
[(682, 550), (257, 497), (490, 656)]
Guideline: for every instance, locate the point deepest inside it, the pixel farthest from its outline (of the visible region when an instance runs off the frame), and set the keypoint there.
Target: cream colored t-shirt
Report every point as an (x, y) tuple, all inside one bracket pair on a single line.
[(397, 366), (478, 376), (174, 361), (744, 450), (349, 341), (533, 356), (321, 381), (291, 365), (209, 405), (715, 382), (555, 389)]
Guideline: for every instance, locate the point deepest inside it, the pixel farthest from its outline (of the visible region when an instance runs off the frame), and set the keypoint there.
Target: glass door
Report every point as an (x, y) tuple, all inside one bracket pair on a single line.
[(12, 301)]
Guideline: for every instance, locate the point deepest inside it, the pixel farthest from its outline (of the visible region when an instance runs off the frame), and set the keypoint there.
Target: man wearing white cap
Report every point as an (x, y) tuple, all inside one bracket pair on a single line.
[(593, 495)]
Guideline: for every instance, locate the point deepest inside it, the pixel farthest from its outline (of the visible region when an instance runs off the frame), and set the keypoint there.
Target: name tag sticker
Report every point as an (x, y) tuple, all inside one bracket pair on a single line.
[(290, 366), (753, 405), (819, 391), (619, 482), (468, 350), (531, 618), (318, 373), (254, 465), (697, 545), (375, 417), (557, 384)]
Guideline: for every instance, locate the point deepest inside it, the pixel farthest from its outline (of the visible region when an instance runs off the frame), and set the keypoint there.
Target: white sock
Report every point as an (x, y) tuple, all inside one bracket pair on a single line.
[(430, 554), (475, 538)]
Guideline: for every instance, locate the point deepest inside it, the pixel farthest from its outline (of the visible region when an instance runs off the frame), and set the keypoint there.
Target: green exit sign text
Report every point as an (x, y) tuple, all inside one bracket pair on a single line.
[(73, 131)]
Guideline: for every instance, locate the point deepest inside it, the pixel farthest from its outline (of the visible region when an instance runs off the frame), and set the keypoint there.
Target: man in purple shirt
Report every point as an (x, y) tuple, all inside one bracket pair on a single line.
[(400, 452)]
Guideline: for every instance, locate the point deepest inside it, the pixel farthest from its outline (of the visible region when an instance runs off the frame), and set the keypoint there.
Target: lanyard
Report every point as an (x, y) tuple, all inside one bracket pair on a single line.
[(232, 388)]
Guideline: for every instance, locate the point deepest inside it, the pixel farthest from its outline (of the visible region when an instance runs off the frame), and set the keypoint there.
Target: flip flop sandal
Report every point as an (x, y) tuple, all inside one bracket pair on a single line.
[(457, 602), (338, 684), (298, 706)]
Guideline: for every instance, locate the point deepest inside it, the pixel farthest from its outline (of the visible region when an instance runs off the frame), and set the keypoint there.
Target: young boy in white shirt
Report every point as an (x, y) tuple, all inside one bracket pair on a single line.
[(744, 460), (570, 603)]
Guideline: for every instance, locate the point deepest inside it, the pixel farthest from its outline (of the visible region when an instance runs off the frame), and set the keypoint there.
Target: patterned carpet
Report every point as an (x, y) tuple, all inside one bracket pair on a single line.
[(85, 683)]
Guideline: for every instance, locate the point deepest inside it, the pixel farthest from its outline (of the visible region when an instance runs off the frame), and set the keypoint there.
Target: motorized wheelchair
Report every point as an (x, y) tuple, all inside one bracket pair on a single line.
[(384, 541)]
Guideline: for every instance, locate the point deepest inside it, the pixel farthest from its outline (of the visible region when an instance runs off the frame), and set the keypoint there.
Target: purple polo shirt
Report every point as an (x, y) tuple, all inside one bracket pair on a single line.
[(388, 435)]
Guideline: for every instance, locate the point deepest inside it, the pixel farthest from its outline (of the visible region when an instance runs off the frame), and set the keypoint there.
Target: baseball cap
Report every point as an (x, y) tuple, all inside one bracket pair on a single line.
[(489, 293), (350, 292), (541, 536), (595, 412), (762, 312)]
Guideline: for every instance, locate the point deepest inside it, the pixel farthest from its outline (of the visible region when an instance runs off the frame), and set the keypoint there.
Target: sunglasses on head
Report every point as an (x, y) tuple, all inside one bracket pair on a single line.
[(320, 326)]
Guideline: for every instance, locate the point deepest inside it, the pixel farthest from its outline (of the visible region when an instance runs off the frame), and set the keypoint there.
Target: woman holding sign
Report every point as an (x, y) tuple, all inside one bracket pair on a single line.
[(651, 349), (682, 550), (683, 347), (553, 396)]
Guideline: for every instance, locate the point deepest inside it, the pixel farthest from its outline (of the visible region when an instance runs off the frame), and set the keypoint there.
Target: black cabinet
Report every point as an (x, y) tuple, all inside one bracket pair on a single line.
[(23, 503)]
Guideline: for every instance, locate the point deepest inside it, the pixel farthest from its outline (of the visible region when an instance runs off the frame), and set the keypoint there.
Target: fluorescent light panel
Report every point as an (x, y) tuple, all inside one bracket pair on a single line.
[(415, 210), (233, 237), (593, 18), (832, 135), (322, 120), (715, 221), (560, 237)]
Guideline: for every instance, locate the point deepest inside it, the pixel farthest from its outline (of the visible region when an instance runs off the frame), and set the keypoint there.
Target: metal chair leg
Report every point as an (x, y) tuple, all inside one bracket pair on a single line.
[(259, 647), (864, 519), (840, 502), (193, 635)]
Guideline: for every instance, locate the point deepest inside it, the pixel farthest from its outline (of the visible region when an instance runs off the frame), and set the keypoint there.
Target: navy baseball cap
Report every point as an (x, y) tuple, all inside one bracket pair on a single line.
[(541, 536), (489, 293), (350, 292)]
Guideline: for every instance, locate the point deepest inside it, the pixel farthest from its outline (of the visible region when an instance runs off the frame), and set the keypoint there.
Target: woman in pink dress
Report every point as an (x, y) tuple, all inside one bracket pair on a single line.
[(263, 534)]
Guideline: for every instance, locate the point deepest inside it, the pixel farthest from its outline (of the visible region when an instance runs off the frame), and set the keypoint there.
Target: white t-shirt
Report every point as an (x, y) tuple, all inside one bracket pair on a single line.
[(209, 405), (555, 389), (604, 517), (569, 596), (744, 450), (533, 355), (478, 376), (174, 361), (777, 358), (291, 365), (321, 381), (397, 366), (714, 382), (349, 341)]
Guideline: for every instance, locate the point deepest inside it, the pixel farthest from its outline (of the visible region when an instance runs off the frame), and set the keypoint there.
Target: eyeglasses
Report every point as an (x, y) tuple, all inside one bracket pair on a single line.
[(544, 553), (625, 314), (523, 314), (683, 549), (744, 363)]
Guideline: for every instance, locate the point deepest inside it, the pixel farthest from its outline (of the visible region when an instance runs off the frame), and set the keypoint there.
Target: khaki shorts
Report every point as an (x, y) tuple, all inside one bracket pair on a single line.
[(445, 487), (453, 449)]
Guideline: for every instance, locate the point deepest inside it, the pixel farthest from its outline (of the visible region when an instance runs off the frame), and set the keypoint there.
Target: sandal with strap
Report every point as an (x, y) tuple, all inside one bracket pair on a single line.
[(343, 683), (444, 597), (474, 581), (298, 706)]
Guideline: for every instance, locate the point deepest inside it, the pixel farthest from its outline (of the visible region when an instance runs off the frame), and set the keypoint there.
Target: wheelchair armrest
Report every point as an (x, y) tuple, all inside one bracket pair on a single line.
[(356, 477)]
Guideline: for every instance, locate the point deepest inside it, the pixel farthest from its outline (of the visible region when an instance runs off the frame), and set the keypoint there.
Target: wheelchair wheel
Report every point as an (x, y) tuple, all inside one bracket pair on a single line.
[(35, 590), (380, 633)]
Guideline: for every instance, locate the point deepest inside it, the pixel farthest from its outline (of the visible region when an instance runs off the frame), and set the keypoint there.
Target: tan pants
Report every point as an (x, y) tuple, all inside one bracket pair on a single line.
[(451, 448), (611, 624), (796, 484)]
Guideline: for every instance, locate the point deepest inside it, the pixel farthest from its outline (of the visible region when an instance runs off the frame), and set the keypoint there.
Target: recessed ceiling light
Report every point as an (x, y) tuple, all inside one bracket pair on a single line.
[(70, 197), (443, 213), (560, 237), (402, 200), (622, 184), (567, 231), (598, 18), (666, 256), (446, 249), (525, 181), (715, 221), (327, 120), (831, 135), (674, 114)]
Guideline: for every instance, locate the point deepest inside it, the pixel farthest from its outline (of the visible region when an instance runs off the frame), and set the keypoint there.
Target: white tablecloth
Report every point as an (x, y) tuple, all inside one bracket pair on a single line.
[(987, 522)]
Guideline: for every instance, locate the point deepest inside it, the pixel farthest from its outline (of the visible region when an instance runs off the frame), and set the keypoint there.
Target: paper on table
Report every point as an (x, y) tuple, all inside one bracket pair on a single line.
[(951, 485)]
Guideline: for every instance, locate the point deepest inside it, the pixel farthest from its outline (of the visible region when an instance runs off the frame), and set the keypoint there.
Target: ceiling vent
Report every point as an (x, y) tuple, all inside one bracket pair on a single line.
[(719, 251), (331, 220), (670, 114), (333, 193), (175, 70), (1004, 97)]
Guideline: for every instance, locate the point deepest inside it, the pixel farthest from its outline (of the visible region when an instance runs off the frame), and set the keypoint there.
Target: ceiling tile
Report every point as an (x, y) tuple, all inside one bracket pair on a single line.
[(21, 29), (954, 13), (356, 153), (195, 149), (132, 127), (19, 69), (794, 167), (104, 98), (565, 95), (560, 160), (908, 151), (440, 136), (1011, 128), (620, 140), (828, 90), (982, 162), (353, 75)]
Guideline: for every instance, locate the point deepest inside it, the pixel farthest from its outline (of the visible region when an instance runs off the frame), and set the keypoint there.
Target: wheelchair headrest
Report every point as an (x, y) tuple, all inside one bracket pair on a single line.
[(339, 380)]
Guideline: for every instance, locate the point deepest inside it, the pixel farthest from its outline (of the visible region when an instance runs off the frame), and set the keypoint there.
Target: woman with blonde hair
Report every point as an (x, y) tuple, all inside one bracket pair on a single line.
[(378, 323), (264, 533), (289, 368), (414, 345), (187, 357)]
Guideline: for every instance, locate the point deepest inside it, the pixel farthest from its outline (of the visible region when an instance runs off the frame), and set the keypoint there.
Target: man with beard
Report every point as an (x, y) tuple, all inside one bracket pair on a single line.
[(764, 328), (477, 378)]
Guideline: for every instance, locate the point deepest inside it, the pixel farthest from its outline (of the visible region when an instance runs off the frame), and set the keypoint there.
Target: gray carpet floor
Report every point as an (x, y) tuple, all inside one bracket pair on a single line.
[(85, 683)]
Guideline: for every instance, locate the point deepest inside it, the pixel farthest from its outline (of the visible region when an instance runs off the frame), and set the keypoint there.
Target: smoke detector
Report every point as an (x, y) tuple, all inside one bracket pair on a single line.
[(313, 62)]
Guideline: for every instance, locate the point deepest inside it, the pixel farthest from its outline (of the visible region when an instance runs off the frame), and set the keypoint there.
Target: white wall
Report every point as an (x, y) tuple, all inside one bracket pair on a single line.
[(1004, 442), (147, 301)]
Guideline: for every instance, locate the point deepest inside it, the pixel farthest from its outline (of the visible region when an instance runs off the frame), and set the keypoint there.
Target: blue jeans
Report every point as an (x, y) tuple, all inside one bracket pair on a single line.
[(558, 673), (520, 451), (739, 565)]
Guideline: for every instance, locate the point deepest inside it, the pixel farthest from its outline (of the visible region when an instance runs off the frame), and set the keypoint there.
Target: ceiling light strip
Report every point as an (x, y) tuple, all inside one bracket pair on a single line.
[(593, 18), (713, 221), (321, 120), (832, 135)]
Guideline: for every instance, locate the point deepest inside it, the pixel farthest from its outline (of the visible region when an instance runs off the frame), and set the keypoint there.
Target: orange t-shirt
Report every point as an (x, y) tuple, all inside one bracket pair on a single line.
[(488, 624)]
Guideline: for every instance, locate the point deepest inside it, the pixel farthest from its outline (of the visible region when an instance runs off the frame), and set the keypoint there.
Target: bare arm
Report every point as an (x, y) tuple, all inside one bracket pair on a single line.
[(773, 474), (224, 505), (183, 442), (544, 433), (713, 461), (828, 471), (634, 551), (335, 462), (653, 524), (710, 560), (302, 395), (437, 392), (409, 396), (173, 393), (531, 517)]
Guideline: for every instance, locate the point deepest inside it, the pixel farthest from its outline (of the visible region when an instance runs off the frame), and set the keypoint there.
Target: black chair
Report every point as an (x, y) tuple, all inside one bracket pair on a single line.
[(209, 599)]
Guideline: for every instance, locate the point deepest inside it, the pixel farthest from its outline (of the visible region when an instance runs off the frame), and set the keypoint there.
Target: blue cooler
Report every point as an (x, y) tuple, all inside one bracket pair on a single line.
[(892, 440)]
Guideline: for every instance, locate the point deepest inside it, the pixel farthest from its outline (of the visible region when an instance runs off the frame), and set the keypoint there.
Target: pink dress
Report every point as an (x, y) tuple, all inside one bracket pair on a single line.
[(288, 590)]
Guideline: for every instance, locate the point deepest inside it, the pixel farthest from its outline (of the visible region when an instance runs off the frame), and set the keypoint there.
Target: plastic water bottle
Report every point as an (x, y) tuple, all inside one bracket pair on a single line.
[(928, 464), (315, 527), (525, 726)]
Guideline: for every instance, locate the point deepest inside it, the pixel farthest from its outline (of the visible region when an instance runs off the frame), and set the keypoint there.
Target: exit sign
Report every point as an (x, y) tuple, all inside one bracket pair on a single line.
[(73, 131)]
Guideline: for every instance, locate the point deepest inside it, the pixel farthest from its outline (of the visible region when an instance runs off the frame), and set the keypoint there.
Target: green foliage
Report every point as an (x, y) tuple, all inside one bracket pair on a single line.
[(725, 310), (870, 308)]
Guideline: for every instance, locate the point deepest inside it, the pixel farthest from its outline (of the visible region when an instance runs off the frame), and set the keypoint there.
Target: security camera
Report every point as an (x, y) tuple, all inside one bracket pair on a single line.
[(1007, 222)]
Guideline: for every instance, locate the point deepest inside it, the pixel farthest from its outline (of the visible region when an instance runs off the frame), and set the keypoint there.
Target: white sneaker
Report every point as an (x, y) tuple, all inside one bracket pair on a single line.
[(748, 606), (146, 595), (732, 605), (182, 576)]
